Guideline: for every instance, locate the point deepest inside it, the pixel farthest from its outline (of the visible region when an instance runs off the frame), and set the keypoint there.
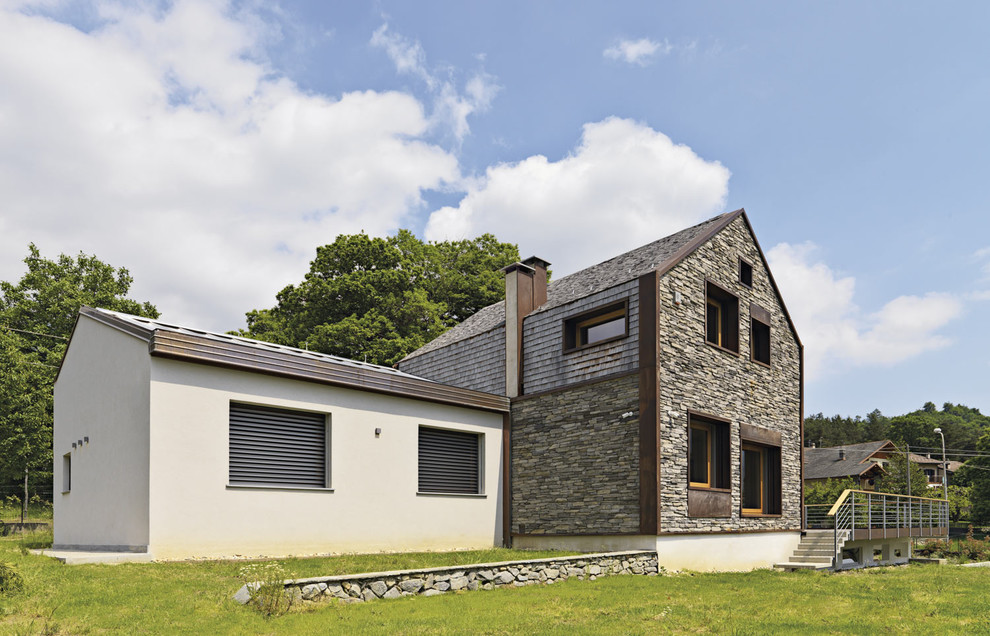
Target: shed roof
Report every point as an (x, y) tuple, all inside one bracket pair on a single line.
[(206, 347)]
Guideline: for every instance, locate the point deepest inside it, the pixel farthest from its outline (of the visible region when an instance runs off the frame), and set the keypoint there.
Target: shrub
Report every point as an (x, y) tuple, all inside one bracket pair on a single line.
[(266, 581), (10, 579)]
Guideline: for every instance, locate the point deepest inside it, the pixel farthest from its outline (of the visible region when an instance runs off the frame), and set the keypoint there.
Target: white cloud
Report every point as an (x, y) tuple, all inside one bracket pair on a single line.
[(451, 107), (624, 185), (162, 141), (836, 333), (639, 52)]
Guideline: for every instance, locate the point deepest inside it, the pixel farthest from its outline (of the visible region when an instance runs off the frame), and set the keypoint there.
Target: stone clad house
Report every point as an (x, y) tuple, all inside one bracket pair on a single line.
[(656, 400), (652, 401)]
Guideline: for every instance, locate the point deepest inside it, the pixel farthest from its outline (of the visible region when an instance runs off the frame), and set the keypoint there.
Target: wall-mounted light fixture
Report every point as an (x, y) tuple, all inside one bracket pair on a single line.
[(86, 439), (378, 432), (678, 299)]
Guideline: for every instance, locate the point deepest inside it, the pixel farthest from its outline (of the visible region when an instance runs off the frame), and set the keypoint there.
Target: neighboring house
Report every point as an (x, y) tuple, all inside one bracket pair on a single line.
[(656, 400), (862, 462), (187, 443), (934, 468)]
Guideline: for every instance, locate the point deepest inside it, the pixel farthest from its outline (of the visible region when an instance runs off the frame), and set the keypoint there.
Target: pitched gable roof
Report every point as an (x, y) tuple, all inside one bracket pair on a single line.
[(824, 463), (660, 255)]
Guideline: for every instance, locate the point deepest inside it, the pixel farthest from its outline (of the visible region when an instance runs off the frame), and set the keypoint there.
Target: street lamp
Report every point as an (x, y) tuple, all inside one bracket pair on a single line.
[(945, 483)]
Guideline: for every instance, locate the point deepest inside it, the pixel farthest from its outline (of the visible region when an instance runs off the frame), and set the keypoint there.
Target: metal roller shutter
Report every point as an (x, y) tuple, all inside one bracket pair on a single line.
[(277, 447), (448, 461)]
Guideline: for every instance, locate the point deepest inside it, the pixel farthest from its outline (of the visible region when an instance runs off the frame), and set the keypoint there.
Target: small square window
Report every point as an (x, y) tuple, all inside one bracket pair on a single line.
[(745, 273), (721, 318), (450, 462), (597, 326)]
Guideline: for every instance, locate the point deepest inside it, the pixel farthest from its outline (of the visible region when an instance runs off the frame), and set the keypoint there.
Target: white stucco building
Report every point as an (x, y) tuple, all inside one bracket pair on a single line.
[(183, 443)]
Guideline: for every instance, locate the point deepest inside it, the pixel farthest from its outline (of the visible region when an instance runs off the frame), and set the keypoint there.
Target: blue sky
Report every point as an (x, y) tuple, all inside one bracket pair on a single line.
[(211, 146)]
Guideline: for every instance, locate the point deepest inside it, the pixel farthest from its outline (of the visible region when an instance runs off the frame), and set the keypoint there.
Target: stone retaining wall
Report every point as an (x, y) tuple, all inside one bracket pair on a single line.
[(352, 588)]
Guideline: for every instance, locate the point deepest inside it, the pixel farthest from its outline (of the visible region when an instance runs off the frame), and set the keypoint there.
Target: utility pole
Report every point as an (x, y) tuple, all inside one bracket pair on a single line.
[(945, 483), (907, 465)]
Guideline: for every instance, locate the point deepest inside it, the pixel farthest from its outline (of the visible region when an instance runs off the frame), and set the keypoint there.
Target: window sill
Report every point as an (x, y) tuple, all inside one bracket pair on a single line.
[(762, 364), (65, 492), (270, 487), (707, 489), (465, 495), (595, 344), (759, 515), (721, 348)]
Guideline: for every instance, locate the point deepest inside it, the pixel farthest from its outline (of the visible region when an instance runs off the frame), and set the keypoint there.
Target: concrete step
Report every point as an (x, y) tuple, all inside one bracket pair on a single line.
[(791, 565), (800, 558), (815, 551)]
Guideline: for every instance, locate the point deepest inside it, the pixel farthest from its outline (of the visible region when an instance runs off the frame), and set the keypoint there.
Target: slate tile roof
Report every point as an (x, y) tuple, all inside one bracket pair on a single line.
[(656, 255)]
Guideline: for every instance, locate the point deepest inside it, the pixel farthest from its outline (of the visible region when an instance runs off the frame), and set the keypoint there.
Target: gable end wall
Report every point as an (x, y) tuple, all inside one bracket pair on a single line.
[(694, 375)]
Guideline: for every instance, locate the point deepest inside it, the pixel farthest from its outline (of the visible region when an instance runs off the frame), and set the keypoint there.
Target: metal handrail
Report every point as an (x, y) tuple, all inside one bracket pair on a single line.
[(883, 512)]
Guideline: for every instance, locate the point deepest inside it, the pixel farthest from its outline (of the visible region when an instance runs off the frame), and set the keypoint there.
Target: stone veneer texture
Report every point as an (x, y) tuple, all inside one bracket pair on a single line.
[(575, 460), (697, 376), (484, 576)]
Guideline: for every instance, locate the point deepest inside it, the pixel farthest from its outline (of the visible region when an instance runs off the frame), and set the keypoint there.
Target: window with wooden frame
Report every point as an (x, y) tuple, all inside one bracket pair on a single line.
[(602, 324), (721, 317), (760, 479), (708, 453), (745, 273)]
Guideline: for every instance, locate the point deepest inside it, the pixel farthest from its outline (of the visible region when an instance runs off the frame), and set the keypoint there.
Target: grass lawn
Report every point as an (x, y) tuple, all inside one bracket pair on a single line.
[(194, 598)]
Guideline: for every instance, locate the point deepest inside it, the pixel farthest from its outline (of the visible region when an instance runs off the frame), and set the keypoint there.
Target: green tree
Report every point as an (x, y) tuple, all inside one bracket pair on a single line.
[(977, 472), (960, 504), (895, 478), (827, 492), (378, 299), (37, 315)]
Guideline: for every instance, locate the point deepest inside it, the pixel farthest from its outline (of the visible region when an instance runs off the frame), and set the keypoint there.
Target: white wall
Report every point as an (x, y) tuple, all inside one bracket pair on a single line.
[(373, 505), (102, 393), (726, 552)]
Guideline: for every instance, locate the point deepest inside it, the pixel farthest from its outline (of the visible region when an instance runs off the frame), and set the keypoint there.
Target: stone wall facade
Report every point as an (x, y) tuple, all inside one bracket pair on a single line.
[(575, 460), (474, 363), (484, 576), (694, 375), (546, 366)]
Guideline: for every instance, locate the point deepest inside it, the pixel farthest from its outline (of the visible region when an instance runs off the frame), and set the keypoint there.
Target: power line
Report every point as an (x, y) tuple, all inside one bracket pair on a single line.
[(34, 333)]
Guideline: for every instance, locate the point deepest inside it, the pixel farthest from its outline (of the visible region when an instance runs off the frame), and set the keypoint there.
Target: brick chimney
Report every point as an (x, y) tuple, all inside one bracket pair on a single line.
[(525, 290)]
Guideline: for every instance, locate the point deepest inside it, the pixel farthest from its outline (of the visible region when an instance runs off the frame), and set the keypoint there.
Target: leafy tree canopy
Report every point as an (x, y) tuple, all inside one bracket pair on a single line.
[(961, 425), (36, 319), (378, 299), (894, 479)]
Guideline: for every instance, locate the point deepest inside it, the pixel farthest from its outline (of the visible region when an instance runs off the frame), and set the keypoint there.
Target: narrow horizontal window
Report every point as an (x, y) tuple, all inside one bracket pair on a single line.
[(449, 461), (277, 447), (599, 325)]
